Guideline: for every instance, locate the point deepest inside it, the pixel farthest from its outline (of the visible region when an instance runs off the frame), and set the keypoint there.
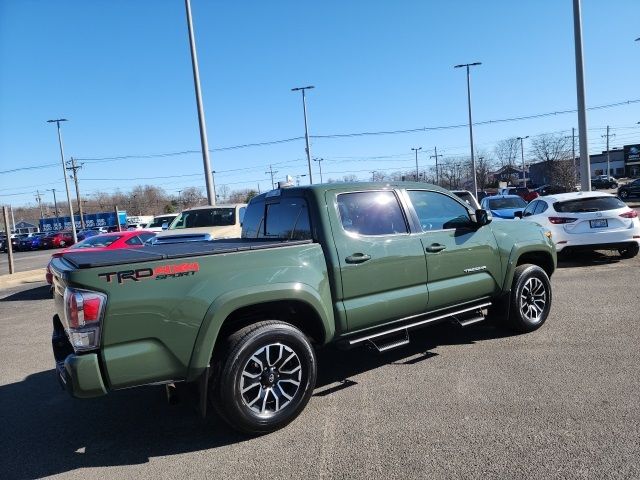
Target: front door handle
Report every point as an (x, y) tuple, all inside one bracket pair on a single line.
[(357, 258), (435, 247)]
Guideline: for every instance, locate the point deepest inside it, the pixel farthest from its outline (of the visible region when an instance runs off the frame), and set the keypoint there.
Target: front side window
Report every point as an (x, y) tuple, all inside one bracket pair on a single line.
[(437, 211), (371, 213), (133, 241), (531, 209)]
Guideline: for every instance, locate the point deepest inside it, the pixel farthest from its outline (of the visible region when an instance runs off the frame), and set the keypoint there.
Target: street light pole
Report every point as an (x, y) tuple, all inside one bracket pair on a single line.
[(585, 167), (416, 149), (473, 159), (306, 128), (64, 174), (204, 143), (524, 168), (319, 160)]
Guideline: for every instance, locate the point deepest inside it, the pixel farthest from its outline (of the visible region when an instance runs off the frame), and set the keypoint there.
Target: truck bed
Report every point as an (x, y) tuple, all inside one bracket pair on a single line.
[(151, 253)]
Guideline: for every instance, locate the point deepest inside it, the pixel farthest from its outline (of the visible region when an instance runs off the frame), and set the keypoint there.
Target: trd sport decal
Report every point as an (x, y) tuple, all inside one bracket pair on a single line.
[(174, 270)]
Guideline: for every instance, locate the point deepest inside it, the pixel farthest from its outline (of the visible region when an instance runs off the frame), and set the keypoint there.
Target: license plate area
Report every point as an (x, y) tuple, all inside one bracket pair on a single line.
[(599, 223)]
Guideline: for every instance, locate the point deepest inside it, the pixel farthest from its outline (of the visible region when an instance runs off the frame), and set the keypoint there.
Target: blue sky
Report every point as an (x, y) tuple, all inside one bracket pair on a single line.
[(120, 72)]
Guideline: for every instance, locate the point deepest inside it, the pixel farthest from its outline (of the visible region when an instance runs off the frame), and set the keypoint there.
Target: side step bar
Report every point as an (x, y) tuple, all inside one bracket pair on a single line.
[(467, 320), (392, 341)]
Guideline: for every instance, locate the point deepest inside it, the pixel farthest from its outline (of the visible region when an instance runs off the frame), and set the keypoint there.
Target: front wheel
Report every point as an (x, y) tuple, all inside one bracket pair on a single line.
[(624, 194), (530, 299), (266, 377), (629, 251)]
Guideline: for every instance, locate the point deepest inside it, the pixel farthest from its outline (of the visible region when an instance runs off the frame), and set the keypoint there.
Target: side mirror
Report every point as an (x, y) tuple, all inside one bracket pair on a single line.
[(517, 214), (483, 217), (165, 226)]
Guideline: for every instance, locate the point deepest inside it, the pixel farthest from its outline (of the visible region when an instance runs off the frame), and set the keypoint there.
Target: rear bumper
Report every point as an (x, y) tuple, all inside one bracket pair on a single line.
[(601, 240), (78, 374)]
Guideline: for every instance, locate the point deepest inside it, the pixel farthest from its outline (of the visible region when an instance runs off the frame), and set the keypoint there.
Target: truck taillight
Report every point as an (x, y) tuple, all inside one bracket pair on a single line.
[(83, 315)]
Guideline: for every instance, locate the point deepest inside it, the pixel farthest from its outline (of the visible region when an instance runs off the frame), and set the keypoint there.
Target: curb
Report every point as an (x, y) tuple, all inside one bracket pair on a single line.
[(22, 278)]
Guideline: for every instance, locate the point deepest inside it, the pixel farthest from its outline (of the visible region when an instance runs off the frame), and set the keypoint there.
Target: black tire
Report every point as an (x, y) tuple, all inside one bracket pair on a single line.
[(529, 300), (259, 409), (624, 194), (629, 251)]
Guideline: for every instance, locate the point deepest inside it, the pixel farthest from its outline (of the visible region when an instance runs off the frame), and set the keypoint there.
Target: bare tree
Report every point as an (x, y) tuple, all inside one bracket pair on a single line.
[(192, 197), (222, 191), (507, 151), (555, 151), (484, 166)]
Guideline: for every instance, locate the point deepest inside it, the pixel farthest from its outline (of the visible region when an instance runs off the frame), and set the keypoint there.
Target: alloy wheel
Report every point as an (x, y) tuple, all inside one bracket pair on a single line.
[(533, 300)]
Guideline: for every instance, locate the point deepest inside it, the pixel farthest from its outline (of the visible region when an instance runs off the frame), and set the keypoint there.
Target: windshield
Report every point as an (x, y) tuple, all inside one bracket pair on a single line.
[(97, 241), (593, 204), (206, 217), (504, 203), (158, 222)]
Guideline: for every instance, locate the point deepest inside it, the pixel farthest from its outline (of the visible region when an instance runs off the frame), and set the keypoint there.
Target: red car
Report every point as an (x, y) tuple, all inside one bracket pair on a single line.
[(523, 192), (106, 241), (57, 240)]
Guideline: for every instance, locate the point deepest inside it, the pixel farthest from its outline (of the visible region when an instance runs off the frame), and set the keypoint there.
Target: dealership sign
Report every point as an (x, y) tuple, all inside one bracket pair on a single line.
[(632, 154)]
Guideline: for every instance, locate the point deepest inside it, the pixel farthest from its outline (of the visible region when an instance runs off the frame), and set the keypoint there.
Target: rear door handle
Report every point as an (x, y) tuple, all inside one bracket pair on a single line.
[(357, 258), (435, 247)]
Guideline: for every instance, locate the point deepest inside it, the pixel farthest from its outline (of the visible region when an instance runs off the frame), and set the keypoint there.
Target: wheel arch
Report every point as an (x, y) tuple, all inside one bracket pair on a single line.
[(297, 304), (532, 254)]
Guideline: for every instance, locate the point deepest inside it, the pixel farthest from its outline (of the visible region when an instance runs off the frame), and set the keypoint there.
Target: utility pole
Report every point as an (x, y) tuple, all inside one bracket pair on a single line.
[(524, 167), (66, 182), (272, 172), (306, 128), (416, 149), (74, 168), (573, 150), (473, 159), (373, 176), (204, 143), (319, 160), (5, 215), (55, 202), (13, 220), (608, 161), (435, 155), (39, 199), (585, 165)]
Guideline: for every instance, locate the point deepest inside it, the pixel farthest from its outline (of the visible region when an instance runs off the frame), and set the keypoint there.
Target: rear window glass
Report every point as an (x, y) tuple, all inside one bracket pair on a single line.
[(591, 204), (97, 241), (502, 203)]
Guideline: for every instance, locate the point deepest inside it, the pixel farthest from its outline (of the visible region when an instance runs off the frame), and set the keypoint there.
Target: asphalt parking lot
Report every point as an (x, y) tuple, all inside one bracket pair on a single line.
[(561, 402)]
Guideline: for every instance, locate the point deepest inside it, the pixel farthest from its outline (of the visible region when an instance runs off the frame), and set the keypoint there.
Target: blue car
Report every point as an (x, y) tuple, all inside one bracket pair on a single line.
[(82, 234), (503, 206), (31, 242)]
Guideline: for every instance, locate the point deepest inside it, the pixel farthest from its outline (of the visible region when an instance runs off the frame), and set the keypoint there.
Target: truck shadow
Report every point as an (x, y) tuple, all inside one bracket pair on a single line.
[(42, 292), (129, 427), (588, 259)]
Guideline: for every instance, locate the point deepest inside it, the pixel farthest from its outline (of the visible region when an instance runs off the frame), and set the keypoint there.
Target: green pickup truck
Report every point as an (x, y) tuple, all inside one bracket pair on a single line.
[(349, 264)]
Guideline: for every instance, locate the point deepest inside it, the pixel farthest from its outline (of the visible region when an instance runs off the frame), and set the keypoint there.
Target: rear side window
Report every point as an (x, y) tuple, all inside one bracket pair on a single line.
[(285, 220), (288, 220), (590, 204), (371, 213), (134, 241)]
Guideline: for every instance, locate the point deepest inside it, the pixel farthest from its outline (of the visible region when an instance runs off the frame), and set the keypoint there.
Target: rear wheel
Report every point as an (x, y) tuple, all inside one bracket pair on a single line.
[(629, 251), (527, 306), (267, 374)]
